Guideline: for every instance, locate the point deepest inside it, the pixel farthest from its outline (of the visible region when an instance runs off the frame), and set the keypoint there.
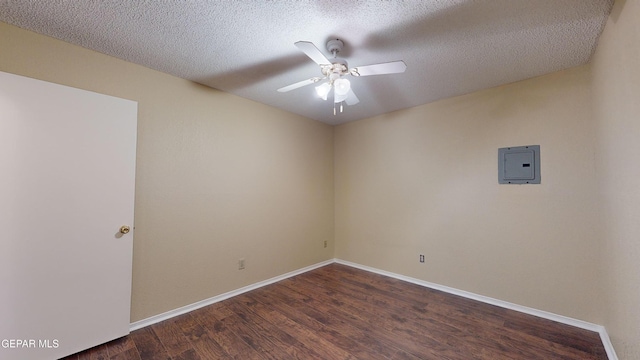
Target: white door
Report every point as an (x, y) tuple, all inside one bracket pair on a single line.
[(67, 167)]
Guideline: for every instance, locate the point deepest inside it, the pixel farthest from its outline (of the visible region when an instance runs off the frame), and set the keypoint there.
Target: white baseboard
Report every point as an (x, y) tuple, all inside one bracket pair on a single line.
[(185, 309), (608, 346), (606, 341), (611, 354)]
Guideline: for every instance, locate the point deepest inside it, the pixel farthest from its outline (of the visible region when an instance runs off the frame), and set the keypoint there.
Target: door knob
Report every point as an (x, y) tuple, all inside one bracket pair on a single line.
[(124, 229)]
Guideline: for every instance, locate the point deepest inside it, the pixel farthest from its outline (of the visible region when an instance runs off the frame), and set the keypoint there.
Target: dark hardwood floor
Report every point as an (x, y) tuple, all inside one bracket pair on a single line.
[(338, 312)]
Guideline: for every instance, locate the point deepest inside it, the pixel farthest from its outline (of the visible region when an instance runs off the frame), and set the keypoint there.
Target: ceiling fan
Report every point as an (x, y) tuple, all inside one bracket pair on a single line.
[(335, 71)]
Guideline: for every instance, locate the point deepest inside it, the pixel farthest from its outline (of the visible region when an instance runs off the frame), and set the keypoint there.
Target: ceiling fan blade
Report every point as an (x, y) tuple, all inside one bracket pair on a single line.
[(312, 52), (351, 99), (393, 67), (299, 84)]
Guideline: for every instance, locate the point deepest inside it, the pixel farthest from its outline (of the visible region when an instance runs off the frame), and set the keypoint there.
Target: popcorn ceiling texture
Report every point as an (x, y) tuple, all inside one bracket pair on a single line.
[(246, 47)]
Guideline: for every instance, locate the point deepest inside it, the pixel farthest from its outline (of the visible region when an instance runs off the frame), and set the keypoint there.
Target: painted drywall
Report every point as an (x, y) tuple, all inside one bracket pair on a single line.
[(219, 177), (616, 107), (424, 181)]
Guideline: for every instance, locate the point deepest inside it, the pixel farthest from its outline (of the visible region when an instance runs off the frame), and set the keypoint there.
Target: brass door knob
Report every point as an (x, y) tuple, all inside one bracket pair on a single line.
[(124, 229)]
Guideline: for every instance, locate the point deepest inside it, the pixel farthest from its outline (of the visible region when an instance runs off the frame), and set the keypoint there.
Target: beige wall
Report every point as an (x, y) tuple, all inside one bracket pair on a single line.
[(424, 181), (616, 105), (218, 177)]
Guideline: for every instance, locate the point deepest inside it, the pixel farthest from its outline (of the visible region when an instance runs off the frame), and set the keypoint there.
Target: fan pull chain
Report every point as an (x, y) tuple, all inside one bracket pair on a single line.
[(341, 107)]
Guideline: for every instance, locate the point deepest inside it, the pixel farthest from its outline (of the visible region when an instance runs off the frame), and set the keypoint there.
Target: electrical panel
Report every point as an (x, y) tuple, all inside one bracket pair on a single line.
[(519, 165)]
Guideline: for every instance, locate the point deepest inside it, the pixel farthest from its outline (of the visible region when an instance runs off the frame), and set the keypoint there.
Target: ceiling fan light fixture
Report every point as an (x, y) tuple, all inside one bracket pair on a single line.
[(342, 86), (339, 97), (323, 90)]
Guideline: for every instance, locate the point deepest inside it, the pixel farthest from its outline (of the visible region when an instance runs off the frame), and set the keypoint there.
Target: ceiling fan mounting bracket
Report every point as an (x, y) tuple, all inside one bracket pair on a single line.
[(335, 46)]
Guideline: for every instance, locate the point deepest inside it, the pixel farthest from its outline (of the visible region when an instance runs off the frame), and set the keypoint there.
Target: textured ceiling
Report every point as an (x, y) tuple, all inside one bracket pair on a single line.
[(450, 47)]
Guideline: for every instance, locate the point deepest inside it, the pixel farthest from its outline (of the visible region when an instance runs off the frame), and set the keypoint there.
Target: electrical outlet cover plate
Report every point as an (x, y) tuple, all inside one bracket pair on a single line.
[(519, 165)]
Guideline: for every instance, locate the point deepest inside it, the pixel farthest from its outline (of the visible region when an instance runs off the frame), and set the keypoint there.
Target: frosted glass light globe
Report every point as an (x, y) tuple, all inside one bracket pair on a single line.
[(323, 90), (342, 86)]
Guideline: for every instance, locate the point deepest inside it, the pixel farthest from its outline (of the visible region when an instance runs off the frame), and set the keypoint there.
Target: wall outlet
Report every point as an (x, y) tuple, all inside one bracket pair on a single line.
[(241, 264), (421, 258), (325, 243)]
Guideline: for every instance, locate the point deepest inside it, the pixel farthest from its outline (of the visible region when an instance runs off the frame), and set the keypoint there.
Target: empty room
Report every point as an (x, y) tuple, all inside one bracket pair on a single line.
[(320, 179)]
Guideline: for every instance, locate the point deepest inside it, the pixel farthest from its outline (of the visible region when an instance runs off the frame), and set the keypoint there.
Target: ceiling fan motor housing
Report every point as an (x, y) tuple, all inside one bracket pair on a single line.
[(338, 67)]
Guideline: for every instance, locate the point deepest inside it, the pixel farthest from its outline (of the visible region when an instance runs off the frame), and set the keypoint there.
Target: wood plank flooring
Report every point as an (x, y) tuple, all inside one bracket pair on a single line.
[(338, 312)]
